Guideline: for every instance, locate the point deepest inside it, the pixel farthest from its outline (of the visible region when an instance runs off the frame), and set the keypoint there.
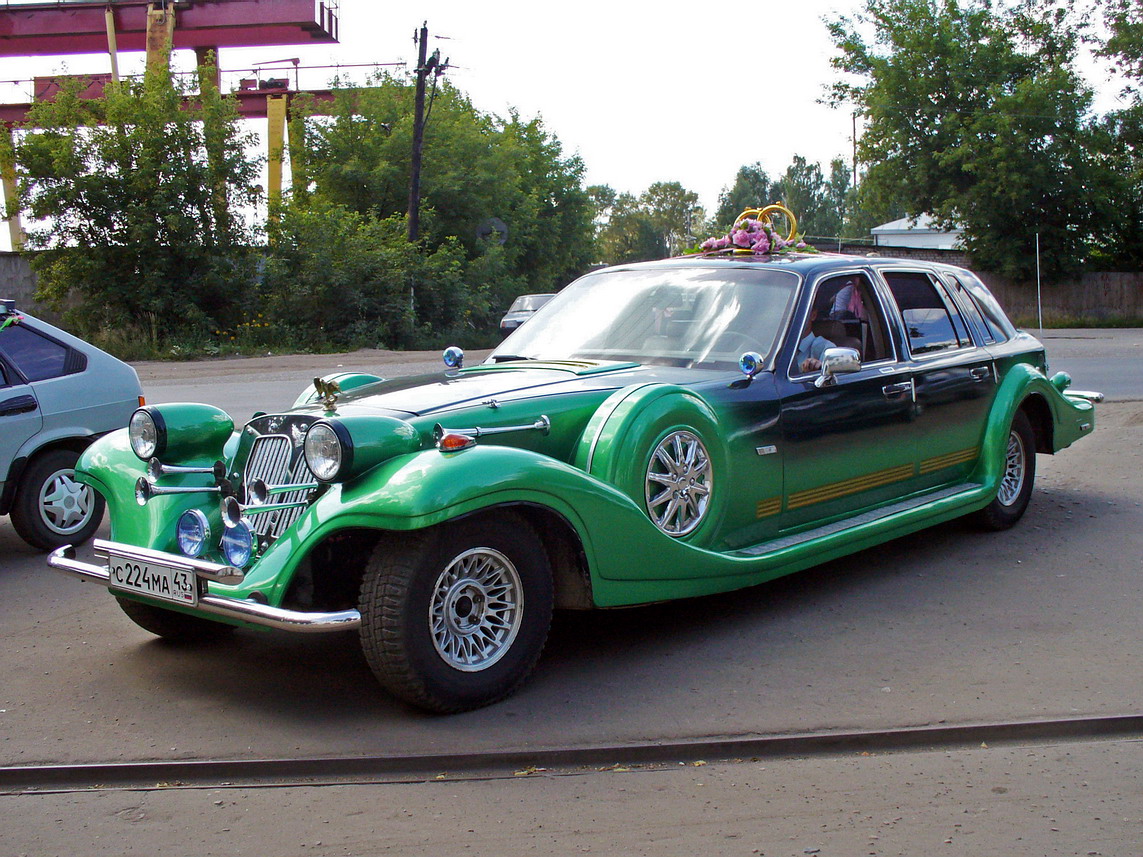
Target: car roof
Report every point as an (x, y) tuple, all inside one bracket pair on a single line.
[(806, 264)]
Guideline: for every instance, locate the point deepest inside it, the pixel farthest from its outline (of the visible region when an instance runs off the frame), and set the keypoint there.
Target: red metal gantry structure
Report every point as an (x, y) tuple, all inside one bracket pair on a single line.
[(69, 27)]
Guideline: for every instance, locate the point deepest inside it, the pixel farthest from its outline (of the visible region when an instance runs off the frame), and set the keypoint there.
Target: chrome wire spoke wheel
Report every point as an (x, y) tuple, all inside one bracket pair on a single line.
[(1015, 463), (476, 609), (678, 483), (65, 504)]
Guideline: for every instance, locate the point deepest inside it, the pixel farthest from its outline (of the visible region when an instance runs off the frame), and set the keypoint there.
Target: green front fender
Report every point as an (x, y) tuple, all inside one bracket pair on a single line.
[(427, 488)]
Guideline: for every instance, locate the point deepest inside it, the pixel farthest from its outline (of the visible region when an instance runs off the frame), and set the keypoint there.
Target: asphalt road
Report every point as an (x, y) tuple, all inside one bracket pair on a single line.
[(946, 626)]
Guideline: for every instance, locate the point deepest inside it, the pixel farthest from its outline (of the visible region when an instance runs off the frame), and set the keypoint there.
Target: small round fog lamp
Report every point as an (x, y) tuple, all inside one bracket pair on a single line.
[(193, 532), (238, 544)]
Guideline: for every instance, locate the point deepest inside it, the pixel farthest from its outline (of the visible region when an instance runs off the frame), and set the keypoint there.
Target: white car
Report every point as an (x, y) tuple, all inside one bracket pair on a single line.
[(57, 395)]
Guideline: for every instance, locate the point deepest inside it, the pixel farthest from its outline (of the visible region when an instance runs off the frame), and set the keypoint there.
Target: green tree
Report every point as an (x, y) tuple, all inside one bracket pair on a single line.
[(137, 202), (664, 220), (1120, 207), (630, 234), (337, 277), (475, 167), (975, 113), (751, 188)]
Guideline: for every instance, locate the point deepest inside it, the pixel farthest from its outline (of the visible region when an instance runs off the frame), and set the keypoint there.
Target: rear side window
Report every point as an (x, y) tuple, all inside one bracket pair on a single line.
[(929, 320), (968, 304), (1002, 328), (36, 356)]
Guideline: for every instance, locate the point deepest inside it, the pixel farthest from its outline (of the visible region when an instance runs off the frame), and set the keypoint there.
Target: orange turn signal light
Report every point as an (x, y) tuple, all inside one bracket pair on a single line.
[(454, 442)]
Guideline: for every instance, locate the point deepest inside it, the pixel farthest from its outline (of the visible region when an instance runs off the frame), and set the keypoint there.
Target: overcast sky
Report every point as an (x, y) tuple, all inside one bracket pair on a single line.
[(643, 92)]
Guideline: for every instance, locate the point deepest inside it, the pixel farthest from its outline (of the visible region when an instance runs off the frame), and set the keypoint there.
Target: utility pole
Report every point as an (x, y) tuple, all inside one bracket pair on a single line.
[(425, 66)]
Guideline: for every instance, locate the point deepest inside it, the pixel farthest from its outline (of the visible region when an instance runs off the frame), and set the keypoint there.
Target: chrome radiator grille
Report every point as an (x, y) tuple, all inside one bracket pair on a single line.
[(277, 460)]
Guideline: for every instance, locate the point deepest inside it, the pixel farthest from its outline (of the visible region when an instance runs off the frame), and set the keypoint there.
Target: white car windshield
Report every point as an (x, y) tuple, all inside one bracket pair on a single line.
[(702, 316)]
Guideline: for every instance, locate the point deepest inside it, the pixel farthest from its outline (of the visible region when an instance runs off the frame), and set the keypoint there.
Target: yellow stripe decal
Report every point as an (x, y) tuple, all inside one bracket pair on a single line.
[(929, 465), (766, 508), (849, 486)]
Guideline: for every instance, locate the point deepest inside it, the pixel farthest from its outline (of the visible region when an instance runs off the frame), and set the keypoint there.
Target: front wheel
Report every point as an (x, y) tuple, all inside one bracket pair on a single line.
[(455, 617), (1016, 481)]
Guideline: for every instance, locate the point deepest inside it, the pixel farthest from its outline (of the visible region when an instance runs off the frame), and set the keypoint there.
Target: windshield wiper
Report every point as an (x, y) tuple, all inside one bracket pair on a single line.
[(504, 358)]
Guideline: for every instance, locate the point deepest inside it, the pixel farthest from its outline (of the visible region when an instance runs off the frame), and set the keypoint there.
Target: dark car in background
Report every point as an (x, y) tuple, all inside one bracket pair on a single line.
[(57, 395), (521, 310)]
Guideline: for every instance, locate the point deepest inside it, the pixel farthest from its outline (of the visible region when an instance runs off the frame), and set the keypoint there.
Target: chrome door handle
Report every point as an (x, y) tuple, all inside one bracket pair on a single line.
[(980, 373), (890, 390)]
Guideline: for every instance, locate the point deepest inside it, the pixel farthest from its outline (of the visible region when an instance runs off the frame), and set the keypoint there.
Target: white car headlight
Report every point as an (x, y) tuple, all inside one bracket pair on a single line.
[(328, 450), (148, 433)]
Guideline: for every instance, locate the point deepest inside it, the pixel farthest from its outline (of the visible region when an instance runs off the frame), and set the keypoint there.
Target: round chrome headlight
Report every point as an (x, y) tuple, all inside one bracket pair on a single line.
[(328, 450), (238, 544), (192, 532), (148, 433)]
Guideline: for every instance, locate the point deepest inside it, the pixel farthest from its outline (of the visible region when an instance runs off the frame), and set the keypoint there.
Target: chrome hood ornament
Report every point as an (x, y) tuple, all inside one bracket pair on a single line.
[(327, 393)]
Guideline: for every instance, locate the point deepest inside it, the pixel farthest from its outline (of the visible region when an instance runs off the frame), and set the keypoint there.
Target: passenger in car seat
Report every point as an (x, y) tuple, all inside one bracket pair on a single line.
[(847, 304), (811, 347)]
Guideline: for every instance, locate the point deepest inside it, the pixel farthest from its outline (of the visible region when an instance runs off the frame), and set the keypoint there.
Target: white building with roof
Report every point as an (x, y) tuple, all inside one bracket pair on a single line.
[(921, 232)]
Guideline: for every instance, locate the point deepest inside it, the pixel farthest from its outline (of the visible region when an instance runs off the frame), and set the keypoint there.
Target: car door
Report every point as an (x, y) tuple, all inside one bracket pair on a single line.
[(20, 417), (953, 376), (848, 445)]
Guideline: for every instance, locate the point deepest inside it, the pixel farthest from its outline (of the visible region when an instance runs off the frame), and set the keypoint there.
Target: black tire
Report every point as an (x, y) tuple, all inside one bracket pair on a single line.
[(487, 582), (1015, 490), (52, 509), (176, 627)]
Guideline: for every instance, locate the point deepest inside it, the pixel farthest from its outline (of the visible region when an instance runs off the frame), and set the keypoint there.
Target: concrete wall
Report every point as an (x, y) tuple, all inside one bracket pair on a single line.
[(17, 281)]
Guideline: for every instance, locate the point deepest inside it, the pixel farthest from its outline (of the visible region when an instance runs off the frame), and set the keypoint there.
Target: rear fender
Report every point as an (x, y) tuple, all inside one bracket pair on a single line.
[(1023, 384)]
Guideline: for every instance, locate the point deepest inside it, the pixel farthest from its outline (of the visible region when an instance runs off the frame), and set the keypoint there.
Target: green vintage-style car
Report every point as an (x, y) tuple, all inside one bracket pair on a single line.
[(657, 431)]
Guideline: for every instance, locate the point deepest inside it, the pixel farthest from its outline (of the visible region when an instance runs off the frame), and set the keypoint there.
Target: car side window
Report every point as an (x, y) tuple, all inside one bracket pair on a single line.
[(845, 312), (983, 328), (928, 318), (36, 356)]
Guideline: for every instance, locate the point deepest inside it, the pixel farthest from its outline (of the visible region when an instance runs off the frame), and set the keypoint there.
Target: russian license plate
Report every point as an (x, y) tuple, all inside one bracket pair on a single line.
[(152, 579)]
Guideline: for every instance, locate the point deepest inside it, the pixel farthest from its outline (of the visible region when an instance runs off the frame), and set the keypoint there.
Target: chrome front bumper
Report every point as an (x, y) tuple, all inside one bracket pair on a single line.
[(251, 612)]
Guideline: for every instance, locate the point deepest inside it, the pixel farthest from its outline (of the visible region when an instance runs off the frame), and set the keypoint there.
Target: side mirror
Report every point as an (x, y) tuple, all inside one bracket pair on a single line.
[(837, 361)]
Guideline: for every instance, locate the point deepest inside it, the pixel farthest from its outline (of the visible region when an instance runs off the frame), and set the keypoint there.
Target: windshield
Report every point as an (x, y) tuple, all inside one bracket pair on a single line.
[(529, 303), (692, 316)]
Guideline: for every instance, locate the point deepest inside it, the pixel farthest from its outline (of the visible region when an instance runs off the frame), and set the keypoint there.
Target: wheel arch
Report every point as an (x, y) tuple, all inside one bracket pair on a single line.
[(1039, 414), (27, 456), (332, 570)]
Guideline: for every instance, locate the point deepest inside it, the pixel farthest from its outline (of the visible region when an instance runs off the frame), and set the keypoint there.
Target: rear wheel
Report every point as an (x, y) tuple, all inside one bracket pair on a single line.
[(51, 507), (455, 617), (1017, 479), (177, 627)]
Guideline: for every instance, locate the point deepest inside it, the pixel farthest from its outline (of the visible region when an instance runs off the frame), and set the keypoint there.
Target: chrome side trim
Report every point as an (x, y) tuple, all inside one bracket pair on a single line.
[(1089, 395), (543, 424), (63, 559)]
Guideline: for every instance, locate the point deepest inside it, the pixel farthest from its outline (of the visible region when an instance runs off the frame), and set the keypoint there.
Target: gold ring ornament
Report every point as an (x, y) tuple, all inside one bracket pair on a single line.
[(754, 234)]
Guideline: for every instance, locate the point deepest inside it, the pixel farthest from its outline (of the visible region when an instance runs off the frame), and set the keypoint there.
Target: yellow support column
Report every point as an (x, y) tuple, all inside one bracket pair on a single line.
[(276, 138), (112, 47), (11, 192), (160, 36)]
